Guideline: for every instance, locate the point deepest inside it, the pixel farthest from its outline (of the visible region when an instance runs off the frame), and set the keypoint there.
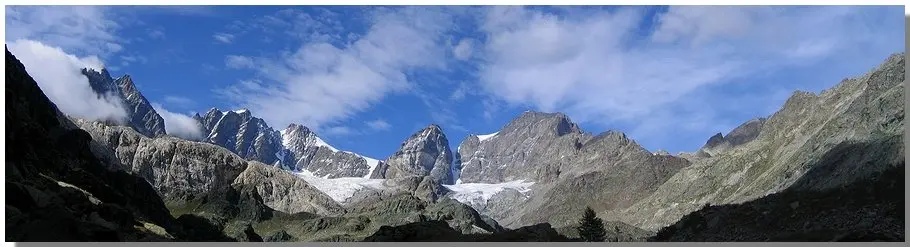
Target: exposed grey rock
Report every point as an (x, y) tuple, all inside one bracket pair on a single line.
[(57, 189), (285, 192), (609, 171), (241, 133), (866, 210), (141, 116), (571, 168), (791, 142), (295, 148), (528, 148), (176, 168), (181, 170), (426, 153), (309, 152), (740, 135)]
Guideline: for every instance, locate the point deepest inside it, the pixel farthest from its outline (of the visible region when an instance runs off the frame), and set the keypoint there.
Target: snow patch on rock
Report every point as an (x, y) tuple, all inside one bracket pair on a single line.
[(472, 193), (340, 189)]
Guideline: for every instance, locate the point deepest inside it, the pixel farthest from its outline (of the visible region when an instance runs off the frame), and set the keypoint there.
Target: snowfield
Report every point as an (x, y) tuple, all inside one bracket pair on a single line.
[(340, 189), (487, 136), (480, 193)]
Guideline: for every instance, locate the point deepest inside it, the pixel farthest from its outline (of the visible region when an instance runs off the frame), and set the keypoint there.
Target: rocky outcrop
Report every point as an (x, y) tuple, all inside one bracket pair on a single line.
[(793, 141), (571, 170), (285, 192), (308, 152), (867, 210), (295, 148), (528, 148), (365, 217), (609, 171), (177, 168), (142, 117), (241, 133), (425, 153), (57, 189), (740, 135)]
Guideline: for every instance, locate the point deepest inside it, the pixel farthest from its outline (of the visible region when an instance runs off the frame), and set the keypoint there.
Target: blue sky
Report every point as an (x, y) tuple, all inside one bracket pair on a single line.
[(366, 78)]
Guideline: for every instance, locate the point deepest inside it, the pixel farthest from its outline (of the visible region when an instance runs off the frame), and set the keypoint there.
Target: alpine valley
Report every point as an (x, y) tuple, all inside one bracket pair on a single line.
[(824, 167)]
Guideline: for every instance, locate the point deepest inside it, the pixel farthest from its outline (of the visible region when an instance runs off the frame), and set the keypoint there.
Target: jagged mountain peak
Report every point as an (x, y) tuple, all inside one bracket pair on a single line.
[(125, 77), (425, 153), (142, 116), (558, 123), (715, 140), (213, 110)]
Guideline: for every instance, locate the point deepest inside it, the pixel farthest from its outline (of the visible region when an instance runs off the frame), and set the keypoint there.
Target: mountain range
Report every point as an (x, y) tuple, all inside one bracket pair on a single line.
[(531, 180)]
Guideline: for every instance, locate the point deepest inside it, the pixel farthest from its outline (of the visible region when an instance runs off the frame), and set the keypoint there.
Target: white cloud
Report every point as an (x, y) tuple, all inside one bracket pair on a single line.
[(127, 60), (180, 125), (156, 33), (464, 49), (238, 62), (223, 37), (339, 131), (60, 78), (379, 124), (320, 83), (76, 29), (597, 68), (178, 100)]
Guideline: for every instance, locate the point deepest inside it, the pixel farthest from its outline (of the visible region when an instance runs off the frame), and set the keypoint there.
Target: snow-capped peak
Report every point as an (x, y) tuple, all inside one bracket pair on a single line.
[(487, 136), (319, 142), (241, 111)]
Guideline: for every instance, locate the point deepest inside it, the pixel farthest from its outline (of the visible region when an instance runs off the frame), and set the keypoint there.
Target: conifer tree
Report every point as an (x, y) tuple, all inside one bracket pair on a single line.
[(591, 228)]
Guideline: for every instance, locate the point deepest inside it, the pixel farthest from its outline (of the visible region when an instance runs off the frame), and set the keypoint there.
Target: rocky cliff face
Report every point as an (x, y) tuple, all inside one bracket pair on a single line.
[(295, 148), (57, 189), (570, 170), (180, 170), (142, 117), (247, 136), (306, 151), (791, 142), (866, 210), (528, 148), (426, 153)]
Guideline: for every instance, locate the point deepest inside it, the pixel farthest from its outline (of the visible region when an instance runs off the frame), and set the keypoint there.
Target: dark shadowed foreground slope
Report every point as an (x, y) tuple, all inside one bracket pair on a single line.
[(870, 209), (56, 189)]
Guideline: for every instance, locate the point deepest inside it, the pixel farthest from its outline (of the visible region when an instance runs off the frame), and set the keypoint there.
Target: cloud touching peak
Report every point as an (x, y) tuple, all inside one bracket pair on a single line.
[(180, 125), (59, 76), (668, 76)]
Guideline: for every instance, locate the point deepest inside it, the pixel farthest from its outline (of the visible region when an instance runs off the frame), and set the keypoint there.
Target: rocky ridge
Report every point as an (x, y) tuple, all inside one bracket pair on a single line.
[(142, 116), (790, 143), (296, 148)]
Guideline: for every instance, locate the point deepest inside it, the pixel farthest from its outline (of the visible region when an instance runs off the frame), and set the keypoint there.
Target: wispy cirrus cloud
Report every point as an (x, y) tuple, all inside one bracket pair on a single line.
[(328, 79), (238, 62), (81, 30), (378, 125), (600, 68), (224, 38)]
